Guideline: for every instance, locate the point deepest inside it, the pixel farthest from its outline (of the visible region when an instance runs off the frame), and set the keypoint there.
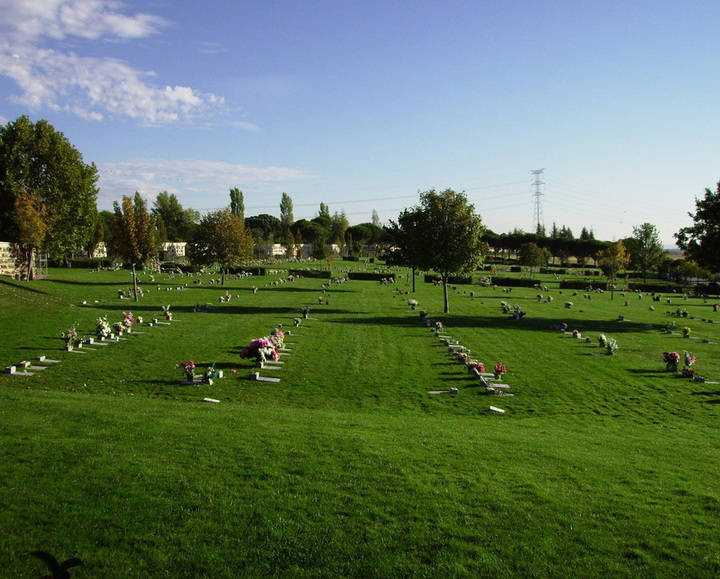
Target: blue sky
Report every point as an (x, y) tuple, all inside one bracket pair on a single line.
[(360, 105)]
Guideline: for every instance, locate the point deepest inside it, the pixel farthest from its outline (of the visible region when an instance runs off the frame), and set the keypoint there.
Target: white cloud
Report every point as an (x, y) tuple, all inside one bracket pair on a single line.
[(31, 20), (245, 126), (89, 87), (3, 120), (197, 183)]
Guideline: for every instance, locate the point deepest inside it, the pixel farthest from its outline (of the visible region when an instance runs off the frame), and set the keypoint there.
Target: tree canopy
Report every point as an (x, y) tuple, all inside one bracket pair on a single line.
[(446, 235), (178, 223), (220, 237), (701, 240), (237, 203), (646, 251), (37, 159), (134, 238)]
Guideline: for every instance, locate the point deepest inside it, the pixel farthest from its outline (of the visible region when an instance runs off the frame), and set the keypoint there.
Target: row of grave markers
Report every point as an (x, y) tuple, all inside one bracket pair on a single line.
[(28, 368)]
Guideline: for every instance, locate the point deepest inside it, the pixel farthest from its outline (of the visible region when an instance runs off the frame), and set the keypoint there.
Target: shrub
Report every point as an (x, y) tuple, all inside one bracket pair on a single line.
[(369, 276), (514, 282)]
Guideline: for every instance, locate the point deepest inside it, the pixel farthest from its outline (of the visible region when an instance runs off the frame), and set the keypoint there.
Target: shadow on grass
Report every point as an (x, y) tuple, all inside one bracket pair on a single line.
[(119, 283), (304, 290), (212, 309), (15, 285), (545, 324)]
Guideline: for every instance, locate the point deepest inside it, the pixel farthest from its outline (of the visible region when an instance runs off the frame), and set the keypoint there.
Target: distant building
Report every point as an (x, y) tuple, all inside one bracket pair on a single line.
[(174, 249)]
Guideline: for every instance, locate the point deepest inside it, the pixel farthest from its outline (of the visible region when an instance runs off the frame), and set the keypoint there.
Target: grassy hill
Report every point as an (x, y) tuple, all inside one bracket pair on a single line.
[(600, 465)]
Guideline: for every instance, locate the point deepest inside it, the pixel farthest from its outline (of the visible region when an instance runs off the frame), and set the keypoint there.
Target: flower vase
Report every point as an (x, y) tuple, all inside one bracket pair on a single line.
[(189, 376)]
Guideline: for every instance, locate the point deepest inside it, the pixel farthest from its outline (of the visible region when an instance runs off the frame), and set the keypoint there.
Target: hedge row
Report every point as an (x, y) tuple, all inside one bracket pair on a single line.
[(514, 282), (664, 288), (368, 276)]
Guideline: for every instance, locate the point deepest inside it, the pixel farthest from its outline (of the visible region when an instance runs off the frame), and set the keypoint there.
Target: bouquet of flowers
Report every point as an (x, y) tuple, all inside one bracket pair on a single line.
[(602, 341), (505, 307), (671, 360), (261, 349), (70, 336), (686, 332), (689, 359), (188, 367), (610, 346), (118, 327), (167, 312), (102, 328), (576, 334), (479, 366), (128, 320), (499, 369)]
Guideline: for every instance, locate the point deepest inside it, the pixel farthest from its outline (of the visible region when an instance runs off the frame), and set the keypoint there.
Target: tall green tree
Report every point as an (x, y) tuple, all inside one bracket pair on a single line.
[(286, 211), (532, 255), (220, 238), (134, 234), (178, 222), (324, 210), (32, 227), (338, 226), (646, 251), (449, 236), (237, 203), (612, 260), (37, 159), (406, 241), (701, 240)]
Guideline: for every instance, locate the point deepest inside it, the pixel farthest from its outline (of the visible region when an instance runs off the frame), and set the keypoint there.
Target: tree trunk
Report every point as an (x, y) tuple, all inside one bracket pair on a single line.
[(412, 272), (445, 293), (30, 257)]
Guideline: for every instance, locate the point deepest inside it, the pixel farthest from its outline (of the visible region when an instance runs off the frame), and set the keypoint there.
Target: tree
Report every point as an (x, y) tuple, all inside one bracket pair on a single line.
[(98, 236), (177, 222), (134, 235), (611, 260), (31, 223), (448, 235), (264, 227), (286, 210), (701, 241), (338, 226), (376, 219), (324, 210), (37, 159), (237, 203), (646, 251), (221, 238), (406, 241), (532, 255)]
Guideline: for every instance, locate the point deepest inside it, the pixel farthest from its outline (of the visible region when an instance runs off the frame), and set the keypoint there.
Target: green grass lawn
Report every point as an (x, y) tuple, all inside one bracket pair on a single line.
[(601, 465)]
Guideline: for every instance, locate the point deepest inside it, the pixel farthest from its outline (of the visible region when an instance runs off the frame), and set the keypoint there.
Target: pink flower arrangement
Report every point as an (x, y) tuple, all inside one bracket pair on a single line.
[(499, 369), (480, 367), (188, 367)]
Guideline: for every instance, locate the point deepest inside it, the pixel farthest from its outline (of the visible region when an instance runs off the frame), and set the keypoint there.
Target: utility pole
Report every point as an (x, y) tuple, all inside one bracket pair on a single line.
[(537, 183)]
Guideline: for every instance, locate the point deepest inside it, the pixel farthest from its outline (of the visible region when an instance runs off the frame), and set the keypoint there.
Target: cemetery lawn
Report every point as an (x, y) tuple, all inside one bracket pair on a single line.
[(600, 465)]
